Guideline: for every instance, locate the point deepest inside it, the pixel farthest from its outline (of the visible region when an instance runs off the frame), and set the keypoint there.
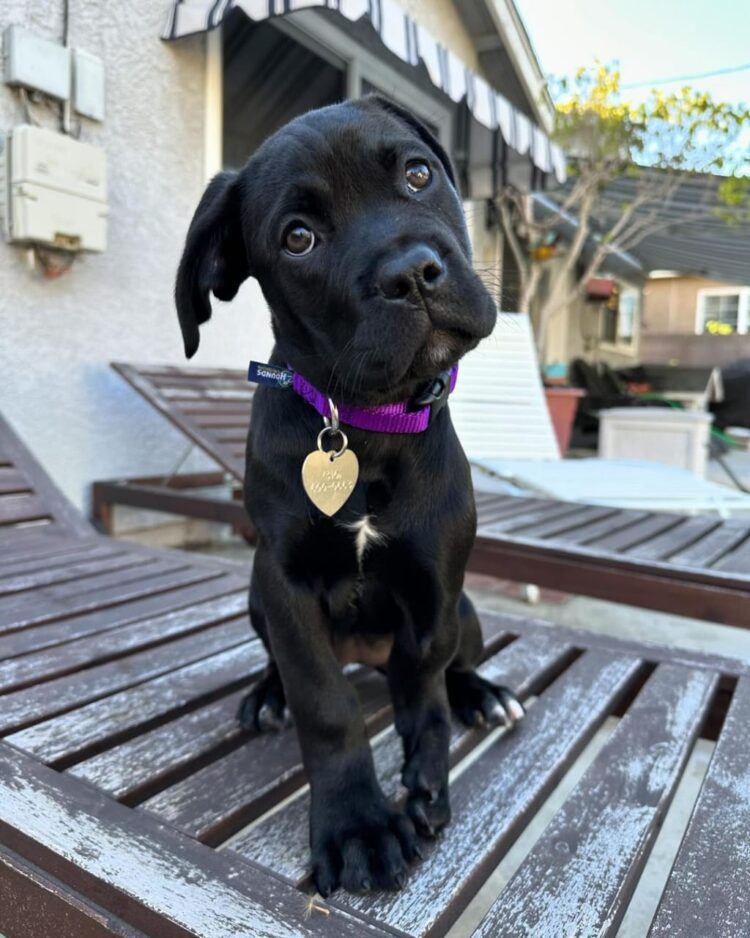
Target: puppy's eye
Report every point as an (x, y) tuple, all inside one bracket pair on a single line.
[(418, 175), (299, 240)]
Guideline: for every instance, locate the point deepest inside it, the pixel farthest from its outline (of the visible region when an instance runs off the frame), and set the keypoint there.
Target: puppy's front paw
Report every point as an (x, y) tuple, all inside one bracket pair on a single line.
[(368, 849), (477, 701), (428, 802)]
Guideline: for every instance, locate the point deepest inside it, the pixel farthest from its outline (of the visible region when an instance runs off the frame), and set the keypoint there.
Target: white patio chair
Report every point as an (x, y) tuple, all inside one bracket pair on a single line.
[(501, 416)]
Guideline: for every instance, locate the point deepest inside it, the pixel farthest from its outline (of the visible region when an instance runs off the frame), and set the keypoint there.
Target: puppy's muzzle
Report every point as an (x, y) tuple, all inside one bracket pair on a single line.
[(412, 274)]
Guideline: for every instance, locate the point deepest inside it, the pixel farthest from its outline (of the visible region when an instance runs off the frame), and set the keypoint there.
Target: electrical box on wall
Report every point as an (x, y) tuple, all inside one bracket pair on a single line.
[(88, 85), (36, 63), (54, 190)]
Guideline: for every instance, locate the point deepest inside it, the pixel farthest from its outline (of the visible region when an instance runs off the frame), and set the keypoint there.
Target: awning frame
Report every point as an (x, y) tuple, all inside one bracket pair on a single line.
[(510, 131)]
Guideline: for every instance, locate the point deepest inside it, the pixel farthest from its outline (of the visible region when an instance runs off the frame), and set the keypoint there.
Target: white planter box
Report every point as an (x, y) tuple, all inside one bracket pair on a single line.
[(674, 437)]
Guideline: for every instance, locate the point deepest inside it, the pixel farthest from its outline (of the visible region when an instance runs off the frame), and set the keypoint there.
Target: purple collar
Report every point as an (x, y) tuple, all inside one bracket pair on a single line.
[(403, 417)]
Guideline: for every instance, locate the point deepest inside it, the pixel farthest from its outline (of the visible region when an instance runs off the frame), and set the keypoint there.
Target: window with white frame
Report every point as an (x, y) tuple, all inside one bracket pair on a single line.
[(723, 311)]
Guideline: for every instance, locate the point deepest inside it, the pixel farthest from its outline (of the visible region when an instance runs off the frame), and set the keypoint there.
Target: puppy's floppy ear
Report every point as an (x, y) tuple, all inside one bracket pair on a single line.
[(421, 131), (214, 259)]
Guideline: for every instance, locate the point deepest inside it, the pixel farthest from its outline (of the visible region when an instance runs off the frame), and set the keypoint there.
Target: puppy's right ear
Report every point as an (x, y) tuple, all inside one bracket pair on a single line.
[(214, 259)]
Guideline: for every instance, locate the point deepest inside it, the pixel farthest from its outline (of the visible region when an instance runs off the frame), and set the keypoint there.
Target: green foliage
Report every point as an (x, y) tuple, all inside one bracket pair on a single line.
[(679, 131)]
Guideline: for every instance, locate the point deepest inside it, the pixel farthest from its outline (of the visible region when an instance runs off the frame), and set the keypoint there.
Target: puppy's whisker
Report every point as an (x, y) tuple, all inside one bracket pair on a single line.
[(335, 380)]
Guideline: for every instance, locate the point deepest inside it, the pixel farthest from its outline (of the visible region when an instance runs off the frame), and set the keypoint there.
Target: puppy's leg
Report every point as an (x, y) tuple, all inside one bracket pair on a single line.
[(474, 699), (357, 839), (264, 709), (417, 681)]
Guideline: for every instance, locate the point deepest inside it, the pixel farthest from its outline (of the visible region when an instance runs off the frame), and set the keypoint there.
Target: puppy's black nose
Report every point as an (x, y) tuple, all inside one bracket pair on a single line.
[(416, 270)]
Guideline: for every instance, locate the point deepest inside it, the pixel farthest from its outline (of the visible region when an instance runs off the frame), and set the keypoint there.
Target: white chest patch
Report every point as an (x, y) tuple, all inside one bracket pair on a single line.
[(365, 533)]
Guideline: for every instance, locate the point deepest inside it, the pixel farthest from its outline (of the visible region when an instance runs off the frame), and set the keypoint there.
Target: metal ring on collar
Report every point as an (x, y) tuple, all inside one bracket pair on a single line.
[(334, 454)]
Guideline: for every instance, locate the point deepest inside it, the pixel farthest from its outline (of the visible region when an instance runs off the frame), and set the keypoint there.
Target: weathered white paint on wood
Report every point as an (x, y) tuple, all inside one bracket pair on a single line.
[(707, 893), (163, 575), (581, 873), (280, 842), (49, 600), (228, 792), (181, 882), (494, 799), (73, 732), (83, 573), (127, 767), (49, 560), (85, 651), (73, 690), (184, 591)]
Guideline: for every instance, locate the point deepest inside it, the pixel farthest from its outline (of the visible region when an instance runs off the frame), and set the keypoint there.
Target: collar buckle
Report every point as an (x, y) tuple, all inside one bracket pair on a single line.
[(435, 396)]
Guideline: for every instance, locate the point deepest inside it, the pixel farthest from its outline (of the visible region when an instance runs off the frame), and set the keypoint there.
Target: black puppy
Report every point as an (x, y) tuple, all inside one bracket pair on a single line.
[(350, 219)]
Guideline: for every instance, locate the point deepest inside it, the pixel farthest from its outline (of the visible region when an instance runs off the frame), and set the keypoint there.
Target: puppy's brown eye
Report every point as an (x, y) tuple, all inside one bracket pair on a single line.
[(299, 240), (418, 175)]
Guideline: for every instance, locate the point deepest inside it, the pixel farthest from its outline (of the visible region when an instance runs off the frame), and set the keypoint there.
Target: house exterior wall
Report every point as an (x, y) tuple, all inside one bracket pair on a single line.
[(670, 303), (441, 18), (58, 337), (669, 323)]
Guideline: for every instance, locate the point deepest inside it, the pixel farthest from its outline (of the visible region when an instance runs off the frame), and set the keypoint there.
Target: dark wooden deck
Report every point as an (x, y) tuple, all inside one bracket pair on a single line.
[(131, 804), (695, 566)]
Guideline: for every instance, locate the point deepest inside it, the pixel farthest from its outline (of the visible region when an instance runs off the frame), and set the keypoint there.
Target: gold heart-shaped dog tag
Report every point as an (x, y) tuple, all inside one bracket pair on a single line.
[(329, 480)]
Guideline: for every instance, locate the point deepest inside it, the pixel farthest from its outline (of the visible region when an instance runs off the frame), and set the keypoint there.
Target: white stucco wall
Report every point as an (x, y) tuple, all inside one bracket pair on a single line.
[(57, 337)]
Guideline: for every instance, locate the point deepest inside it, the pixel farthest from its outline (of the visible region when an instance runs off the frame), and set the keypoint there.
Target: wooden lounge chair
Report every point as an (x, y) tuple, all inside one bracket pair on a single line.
[(212, 408), (131, 804), (695, 566)]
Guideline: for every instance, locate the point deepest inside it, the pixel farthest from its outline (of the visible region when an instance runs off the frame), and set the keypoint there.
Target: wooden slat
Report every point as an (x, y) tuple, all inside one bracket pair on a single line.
[(510, 507), (738, 561), (151, 757), (590, 532), (579, 876), (53, 558), (709, 549), (650, 526), (12, 481), (75, 733), (549, 512), (79, 572), (496, 797), (41, 701), (85, 652), (227, 794), (280, 842), (707, 893), (15, 508), (157, 880), (586, 514), (171, 602), (674, 540), (163, 576)]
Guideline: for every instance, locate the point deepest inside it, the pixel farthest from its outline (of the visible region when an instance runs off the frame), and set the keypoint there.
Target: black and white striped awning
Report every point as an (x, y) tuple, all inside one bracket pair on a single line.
[(497, 145)]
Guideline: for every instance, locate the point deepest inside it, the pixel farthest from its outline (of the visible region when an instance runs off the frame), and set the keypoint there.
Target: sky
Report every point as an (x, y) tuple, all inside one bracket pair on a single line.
[(650, 39)]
